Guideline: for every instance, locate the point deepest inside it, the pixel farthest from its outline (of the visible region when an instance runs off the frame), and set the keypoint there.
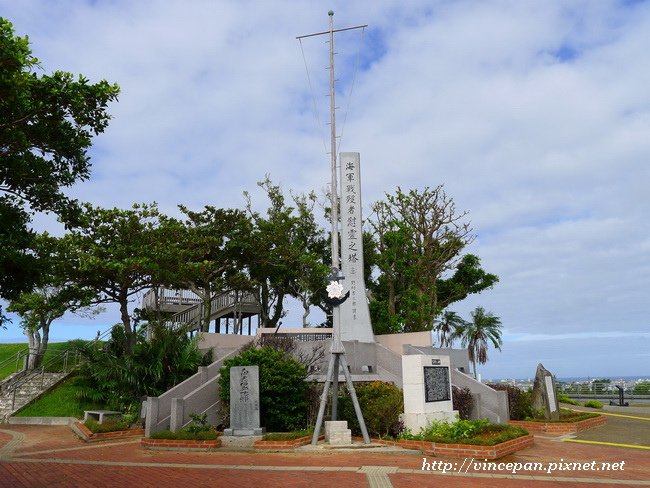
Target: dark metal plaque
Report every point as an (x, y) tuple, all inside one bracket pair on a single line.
[(436, 384)]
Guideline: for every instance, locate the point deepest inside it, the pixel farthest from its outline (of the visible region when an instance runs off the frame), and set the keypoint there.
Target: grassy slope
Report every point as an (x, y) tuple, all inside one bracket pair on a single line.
[(60, 402), (8, 350)]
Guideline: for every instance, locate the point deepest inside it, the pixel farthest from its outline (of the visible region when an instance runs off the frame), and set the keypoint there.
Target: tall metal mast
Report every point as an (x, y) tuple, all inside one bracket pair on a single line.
[(334, 189), (337, 357)]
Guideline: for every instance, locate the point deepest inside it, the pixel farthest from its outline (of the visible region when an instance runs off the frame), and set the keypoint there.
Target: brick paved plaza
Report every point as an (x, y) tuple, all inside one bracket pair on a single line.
[(52, 456)]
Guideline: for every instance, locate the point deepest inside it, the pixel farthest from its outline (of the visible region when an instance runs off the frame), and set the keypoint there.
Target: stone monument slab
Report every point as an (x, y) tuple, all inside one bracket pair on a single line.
[(244, 401), (427, 391), (544, 397)]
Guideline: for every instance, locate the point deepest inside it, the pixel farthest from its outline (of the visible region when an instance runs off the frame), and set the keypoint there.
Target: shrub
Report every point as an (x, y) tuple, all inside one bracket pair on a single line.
[(381, 404), (454, 431), (474, 432), (287, 436), (519, 401), (566, 416), (593, 404), (642, 388), (118, 379), (110, 426), (283, 404), (565, 399), (185, 435), (462, 401), (199, 423)]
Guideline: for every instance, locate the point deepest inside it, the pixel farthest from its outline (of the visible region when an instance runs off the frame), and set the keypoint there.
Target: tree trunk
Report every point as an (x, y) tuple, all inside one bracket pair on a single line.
[(45, 338), (34, 346), (264, 305), (305, 306), (277, 312), (391, 298), (126, 321)]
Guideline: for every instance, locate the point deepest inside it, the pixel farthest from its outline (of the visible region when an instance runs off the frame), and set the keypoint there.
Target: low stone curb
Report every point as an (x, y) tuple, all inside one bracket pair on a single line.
[(42, 420), (180, 444), (87, 435), (284, 445), (560, 428), (464, 450)]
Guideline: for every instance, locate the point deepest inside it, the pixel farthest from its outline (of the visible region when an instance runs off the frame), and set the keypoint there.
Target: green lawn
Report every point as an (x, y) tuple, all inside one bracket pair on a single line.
[(9, 350), (60, 402)]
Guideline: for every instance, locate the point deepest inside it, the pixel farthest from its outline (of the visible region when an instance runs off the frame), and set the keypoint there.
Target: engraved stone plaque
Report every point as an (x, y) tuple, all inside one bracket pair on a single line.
[(244, 401), (436, 384), (550, 391)]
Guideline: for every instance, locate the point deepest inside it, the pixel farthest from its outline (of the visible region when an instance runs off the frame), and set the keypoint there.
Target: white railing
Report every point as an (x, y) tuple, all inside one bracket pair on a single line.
[(221, 302), (168, 296)]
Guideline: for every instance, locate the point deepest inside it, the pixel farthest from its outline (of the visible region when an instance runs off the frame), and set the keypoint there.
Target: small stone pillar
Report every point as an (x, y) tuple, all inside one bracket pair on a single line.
[(244, 402)]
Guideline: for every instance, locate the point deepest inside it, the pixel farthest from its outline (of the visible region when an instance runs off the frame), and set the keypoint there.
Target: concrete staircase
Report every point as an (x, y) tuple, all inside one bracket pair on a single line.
[(20, 393)]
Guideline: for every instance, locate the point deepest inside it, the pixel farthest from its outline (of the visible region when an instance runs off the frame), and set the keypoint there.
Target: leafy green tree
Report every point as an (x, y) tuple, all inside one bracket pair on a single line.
[(46, 127), (113, 253), (284, 254), (419, 239), (283, 390), (38, 309), (484, 329), (208, 254)]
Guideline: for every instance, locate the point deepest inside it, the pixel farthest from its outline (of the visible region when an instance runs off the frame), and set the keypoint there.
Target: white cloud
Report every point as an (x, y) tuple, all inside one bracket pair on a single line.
[(535, 116)]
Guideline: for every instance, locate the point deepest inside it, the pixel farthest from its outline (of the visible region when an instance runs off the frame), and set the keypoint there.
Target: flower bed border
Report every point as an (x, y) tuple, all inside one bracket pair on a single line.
[(438, 449), (284, 445), (180, 444), (89, 436), (560, 428)]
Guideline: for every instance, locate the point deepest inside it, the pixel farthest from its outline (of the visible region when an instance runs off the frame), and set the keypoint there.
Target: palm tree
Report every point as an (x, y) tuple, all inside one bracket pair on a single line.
[(483, 328), (449, 328)]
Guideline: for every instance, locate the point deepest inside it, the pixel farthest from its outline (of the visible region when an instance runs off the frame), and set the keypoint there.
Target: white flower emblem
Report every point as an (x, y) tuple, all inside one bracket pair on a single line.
[(334, 289)]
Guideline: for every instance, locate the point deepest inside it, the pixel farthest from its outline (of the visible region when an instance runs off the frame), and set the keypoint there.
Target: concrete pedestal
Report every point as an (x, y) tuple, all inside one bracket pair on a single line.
[(337, 433)]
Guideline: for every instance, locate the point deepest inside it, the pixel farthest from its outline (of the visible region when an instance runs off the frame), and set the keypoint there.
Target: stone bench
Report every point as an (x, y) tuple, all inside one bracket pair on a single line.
[(99, 415)]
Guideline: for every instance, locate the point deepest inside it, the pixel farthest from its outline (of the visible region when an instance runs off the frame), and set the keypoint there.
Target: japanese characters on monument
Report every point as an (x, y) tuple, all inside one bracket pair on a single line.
[(355, 316)]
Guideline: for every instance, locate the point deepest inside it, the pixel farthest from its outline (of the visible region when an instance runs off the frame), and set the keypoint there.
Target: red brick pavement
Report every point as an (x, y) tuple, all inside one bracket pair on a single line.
[(71, 462)]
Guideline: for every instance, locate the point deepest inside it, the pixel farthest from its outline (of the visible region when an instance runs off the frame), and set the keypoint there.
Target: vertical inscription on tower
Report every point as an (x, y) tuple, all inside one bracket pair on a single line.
[(355, 316)]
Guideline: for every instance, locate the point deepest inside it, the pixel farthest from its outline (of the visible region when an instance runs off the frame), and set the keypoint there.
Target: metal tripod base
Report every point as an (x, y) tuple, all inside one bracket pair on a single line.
[(336, 359)]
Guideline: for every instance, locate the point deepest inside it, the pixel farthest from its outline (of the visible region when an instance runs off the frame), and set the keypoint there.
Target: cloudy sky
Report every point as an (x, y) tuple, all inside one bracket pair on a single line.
[(535, 115)]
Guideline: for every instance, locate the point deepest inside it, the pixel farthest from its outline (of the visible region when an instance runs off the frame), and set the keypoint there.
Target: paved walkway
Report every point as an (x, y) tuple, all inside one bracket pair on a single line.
[(51, 456), (628, 426)]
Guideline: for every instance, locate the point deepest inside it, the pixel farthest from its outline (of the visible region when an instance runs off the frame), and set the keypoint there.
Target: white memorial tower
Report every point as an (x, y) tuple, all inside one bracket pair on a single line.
[(354, 314)]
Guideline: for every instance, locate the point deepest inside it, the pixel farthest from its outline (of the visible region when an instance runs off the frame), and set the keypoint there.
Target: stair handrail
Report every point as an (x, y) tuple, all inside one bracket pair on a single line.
[(54, 357), (14, 357)]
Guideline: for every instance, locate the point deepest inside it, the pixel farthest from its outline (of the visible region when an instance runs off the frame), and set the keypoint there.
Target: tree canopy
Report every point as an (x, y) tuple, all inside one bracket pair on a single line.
[(284, 256), (113, 253), (419, 238), (46, 127)]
